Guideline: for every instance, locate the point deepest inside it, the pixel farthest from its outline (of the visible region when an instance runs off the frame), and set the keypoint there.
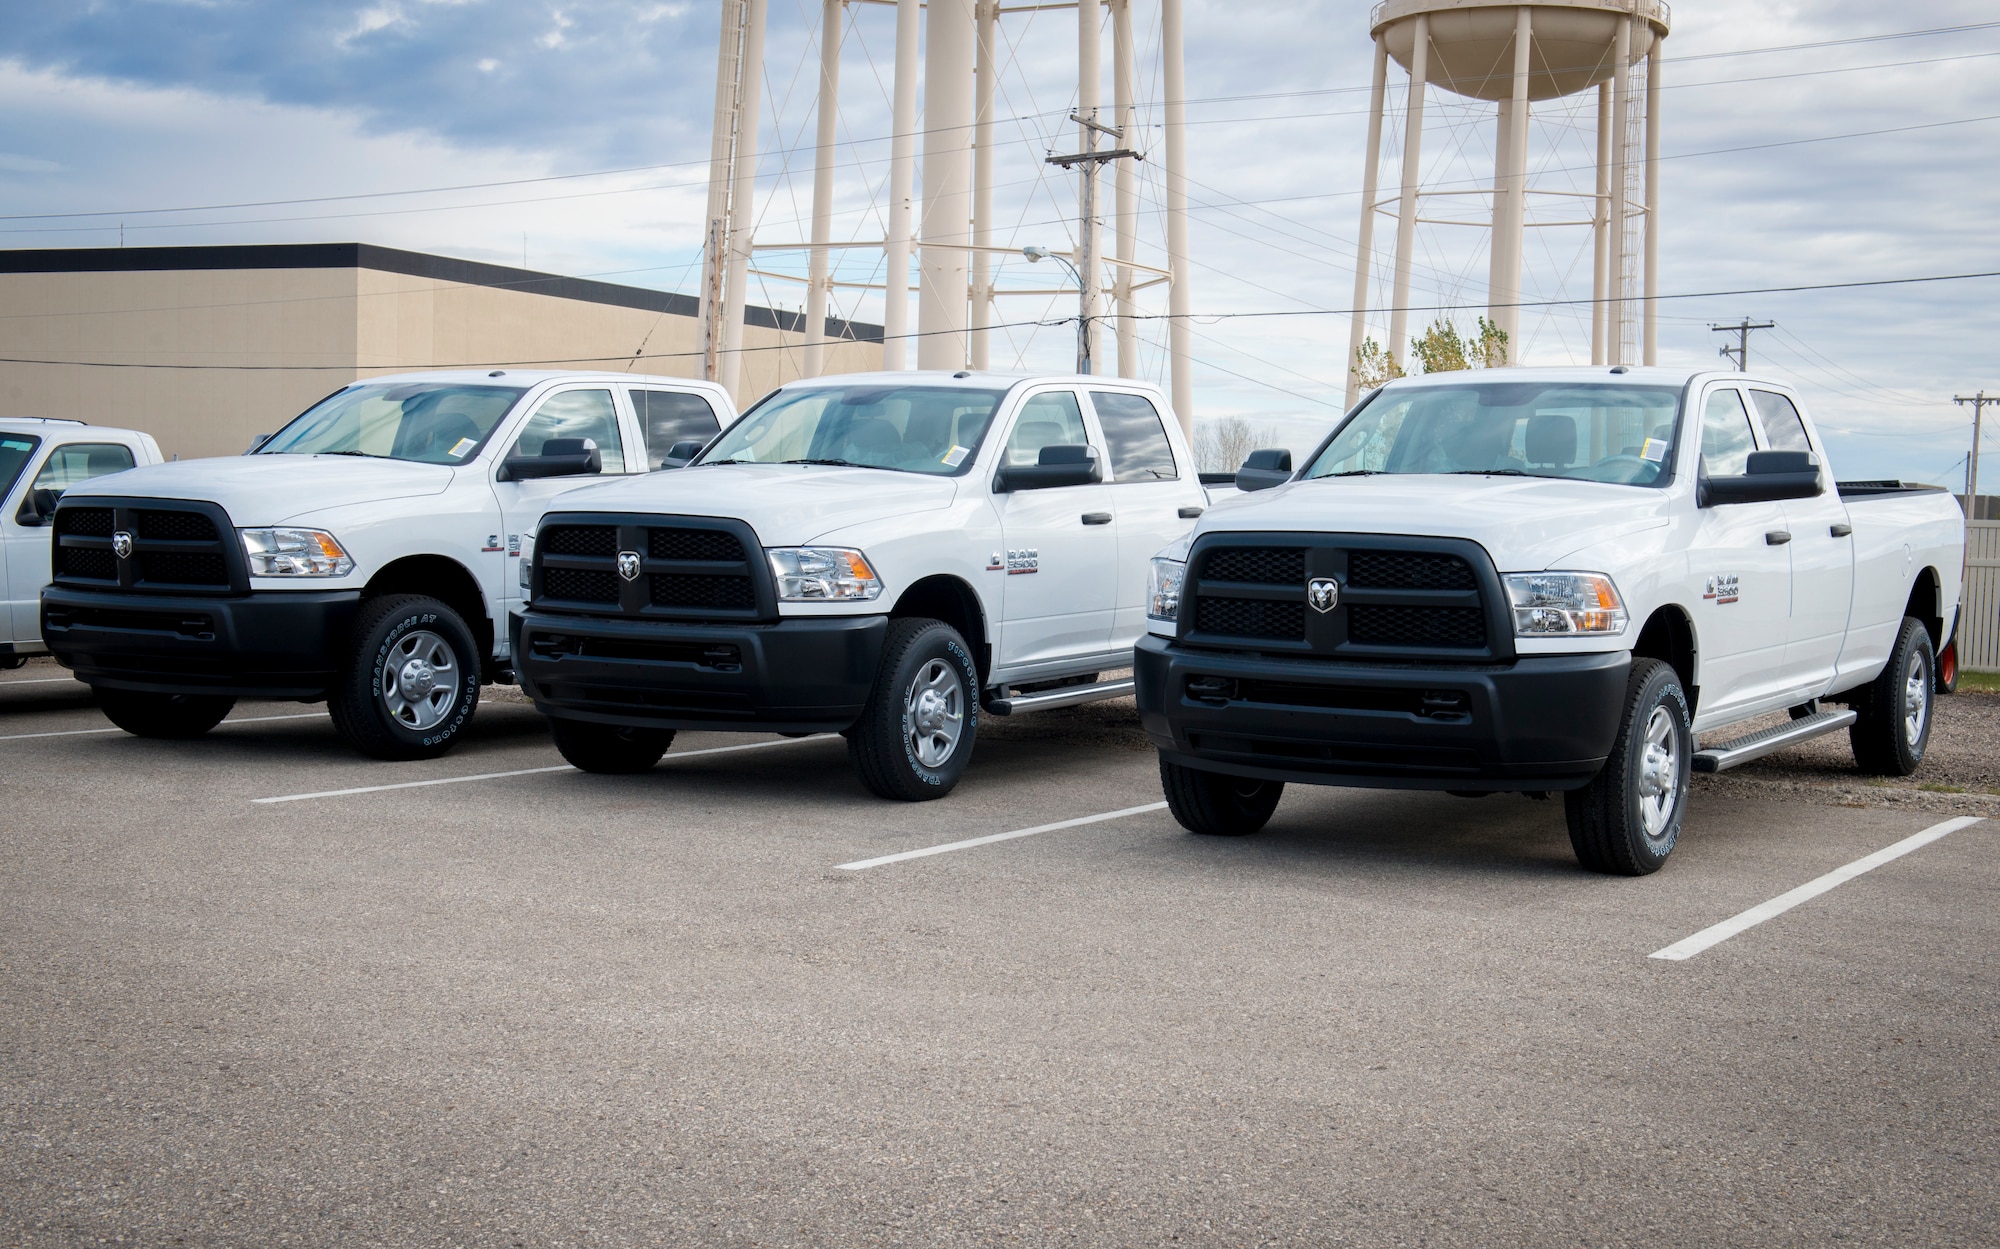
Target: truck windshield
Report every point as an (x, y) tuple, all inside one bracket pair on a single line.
[(429, 422), (1586, 432), (910, 429)]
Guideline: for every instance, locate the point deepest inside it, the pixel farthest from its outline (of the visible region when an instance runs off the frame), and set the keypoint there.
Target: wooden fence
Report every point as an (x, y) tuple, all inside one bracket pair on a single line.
[(1979, 614)]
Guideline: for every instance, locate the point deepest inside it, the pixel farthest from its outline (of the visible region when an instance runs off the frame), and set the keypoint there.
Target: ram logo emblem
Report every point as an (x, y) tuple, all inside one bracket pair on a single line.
[(1323, 593), (628, 565), (121, 544)]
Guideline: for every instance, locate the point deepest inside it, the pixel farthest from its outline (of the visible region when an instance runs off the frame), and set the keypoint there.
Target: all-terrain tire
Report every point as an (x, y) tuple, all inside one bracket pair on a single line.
[(915, 736), (173, 716), (609, 749), (1216, 805), (410, 679), (1626, 821), (1894, 721)]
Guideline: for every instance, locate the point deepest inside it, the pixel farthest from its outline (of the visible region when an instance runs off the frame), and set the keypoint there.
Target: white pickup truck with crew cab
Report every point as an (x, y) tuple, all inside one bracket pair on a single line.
[(40, 459), (880, 555), (1545, 580), (362, 554)]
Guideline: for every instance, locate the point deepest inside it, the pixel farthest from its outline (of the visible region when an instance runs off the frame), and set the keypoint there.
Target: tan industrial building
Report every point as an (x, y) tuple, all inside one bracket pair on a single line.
[(206, 347)]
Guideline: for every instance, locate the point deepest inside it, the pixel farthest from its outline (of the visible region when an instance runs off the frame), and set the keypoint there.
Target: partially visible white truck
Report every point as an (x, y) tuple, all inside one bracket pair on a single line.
[(40, 459), (362, 554), (1546, 580), (884, 556)]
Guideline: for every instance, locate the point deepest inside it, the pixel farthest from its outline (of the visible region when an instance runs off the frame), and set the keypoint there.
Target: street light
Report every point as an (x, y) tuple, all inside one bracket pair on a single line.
[(1035, 254)]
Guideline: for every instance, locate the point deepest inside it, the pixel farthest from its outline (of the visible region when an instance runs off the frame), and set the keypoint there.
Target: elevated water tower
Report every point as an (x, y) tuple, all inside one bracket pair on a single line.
[(1514, 56)]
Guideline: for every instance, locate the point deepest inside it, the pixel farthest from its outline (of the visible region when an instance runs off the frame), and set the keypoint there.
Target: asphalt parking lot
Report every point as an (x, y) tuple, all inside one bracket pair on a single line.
[(547, 1008)]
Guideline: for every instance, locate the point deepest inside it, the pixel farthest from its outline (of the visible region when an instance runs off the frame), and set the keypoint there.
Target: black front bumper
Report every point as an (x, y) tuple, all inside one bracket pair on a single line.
[(281, 644), (1534, 723), (803, 675)]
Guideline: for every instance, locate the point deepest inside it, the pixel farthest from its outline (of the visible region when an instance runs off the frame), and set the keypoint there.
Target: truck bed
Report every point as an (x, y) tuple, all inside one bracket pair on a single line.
[(1856, 491)]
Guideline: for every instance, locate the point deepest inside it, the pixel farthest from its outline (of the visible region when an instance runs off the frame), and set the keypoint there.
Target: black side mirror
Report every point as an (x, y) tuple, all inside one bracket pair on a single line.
[(560, 457), (682, 453), (1769, 476), (1264, 469), (1069, 465), (36, 508)]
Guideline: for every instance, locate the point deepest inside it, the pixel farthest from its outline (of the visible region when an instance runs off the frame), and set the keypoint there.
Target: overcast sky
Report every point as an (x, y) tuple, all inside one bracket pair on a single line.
[(127, 107)]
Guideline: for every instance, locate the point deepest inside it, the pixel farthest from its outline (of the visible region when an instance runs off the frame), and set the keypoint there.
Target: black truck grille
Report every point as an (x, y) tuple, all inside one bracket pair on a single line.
[(169, 547), (681, 568), (1389, 598)]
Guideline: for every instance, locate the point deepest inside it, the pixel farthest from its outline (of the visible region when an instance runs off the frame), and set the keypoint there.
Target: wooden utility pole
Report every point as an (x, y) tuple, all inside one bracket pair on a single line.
[(1978, 402), (1089, 159), (1740, 353)]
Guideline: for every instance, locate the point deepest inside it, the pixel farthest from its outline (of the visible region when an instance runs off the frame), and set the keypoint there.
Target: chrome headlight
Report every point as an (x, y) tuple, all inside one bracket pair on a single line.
[(1164, 581), (294, 553), (823, 574), (1550, 604)]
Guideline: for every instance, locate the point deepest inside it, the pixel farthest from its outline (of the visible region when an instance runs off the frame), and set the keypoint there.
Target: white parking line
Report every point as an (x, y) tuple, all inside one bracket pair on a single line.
[(560, 767), (41, 681), (16, 737), (988, 840), (1715, 934)]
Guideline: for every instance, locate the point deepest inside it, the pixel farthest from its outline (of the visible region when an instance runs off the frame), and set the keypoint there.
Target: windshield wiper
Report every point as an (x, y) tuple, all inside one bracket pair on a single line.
[(366, 455), (831, 463), (1361, 472), (1491, 472)]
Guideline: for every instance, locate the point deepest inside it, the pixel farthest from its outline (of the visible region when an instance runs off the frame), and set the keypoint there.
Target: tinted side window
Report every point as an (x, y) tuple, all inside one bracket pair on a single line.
[(576, 414), (1787, 430), (1135, 437), (81, 461), (15, 451), (671, 416), (1048, 420), (1726, 441)]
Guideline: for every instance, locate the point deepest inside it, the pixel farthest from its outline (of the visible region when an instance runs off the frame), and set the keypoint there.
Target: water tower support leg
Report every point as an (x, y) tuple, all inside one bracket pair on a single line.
[(1406, 215), (985, 73), (1364, 247), (1173, 72), (902, 189), (1517, 186), (1621, 112), (1600, 263), (1125, 187), (742, 199), (832, 16), (1652, 338), (944, 256)]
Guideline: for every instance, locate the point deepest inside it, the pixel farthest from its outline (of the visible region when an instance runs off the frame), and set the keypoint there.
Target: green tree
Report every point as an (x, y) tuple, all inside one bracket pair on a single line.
[(1441, 350), (1373, 366)]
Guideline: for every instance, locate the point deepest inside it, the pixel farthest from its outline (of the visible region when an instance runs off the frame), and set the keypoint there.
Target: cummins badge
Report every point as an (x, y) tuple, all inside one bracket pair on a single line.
[(121, 544), (1323, 593), (628, 565)]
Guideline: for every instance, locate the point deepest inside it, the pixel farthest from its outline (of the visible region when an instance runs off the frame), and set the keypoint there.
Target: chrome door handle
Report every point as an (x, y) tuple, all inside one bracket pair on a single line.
[(1777, 537), (1840, 531), (1097, 518)]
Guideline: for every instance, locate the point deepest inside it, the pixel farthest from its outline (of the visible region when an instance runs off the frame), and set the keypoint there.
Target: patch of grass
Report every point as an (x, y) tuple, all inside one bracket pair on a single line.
[(1933, 787), (1987, 681)]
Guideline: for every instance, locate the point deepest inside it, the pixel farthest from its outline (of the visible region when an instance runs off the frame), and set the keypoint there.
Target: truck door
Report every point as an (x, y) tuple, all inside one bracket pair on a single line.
[(1822, 552), (25, 525), (1149, 492), (573, 412), (1743, 613), (670, 416), (1061, 552)]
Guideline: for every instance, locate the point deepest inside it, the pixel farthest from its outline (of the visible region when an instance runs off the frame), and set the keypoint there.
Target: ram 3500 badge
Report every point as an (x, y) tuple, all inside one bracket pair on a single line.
[(1545, 580), (854, 556)]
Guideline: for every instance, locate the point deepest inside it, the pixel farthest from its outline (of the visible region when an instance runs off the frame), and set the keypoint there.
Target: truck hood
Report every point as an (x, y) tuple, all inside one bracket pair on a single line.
[(785, 503), (271, 489), (1525, 523)]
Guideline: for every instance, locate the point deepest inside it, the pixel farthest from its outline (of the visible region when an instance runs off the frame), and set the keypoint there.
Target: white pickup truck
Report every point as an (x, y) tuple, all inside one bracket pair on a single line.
[(363, 554), (40, 459), (879, 555), (1539, 580)]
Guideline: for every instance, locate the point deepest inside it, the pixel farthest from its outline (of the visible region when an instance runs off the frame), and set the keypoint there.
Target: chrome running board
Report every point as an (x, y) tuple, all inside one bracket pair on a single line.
[(1068, 696), (1729, 754)]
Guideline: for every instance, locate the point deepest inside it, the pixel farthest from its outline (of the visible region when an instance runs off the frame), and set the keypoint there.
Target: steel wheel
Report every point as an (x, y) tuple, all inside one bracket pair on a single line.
[(934, 712), (1916, 700), (1659, 773), (420, 681)]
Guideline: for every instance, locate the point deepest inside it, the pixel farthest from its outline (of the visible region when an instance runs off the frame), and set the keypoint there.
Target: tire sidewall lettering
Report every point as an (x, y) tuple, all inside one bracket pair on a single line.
[(467, 694), (958, 657)]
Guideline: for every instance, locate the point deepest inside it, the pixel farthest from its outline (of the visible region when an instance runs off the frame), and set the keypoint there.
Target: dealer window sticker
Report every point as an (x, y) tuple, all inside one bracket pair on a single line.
[(956, 456), (1655, 450), (462, 446)]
